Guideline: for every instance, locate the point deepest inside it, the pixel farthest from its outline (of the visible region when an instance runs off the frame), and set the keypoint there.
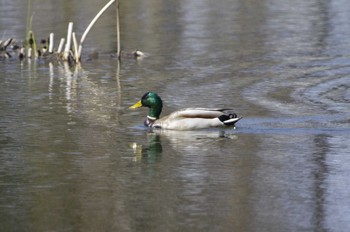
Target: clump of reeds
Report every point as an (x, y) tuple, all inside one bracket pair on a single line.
[(68, 48)]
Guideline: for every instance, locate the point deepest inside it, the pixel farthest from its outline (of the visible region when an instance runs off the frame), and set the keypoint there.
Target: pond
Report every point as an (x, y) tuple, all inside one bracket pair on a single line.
[(73, 157)]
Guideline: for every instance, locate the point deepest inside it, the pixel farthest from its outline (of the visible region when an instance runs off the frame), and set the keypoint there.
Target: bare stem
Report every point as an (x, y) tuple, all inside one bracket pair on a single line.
[(118, 30), (60, 46), (75, 45), (91, 24), (51, 42), (69, 41)]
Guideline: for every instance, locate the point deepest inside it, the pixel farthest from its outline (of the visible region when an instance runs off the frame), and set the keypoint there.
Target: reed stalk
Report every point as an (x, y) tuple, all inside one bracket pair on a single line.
[(5, 44), (118, 29), (60, 46), (28, 22), (91, 24), (51, 42), (32, 44), (29, 53), (75, 45), (69, 41)]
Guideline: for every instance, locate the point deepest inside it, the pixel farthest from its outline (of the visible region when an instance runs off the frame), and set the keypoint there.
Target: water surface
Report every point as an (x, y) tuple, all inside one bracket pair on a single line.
[(74, 158)]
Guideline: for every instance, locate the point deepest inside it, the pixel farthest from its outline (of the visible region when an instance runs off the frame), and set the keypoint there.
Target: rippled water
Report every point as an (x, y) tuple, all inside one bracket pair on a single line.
[(74, 158)]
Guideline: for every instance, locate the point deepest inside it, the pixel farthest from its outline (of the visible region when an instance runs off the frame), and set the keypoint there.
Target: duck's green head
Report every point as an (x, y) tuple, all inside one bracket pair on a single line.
[(152, 101)]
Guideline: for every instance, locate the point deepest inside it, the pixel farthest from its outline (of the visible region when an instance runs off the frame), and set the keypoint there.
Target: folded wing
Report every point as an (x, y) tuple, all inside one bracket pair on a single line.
[(199, 113)]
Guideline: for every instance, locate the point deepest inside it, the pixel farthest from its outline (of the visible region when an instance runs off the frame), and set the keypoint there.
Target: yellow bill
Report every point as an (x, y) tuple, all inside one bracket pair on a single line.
[(136, 105)]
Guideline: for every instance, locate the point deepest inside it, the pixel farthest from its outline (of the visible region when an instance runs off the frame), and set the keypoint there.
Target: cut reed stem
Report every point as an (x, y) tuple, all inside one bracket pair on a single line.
[(75, 45), (69, 41), (60, 46), (51, 42)]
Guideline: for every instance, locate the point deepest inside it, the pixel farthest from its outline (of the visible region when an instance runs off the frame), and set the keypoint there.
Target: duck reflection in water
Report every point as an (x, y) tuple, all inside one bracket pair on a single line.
[(150, 153), (183, 140), (195, 140)]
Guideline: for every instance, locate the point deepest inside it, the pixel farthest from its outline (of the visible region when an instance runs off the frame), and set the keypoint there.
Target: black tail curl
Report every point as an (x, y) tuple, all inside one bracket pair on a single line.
[(229, 119)]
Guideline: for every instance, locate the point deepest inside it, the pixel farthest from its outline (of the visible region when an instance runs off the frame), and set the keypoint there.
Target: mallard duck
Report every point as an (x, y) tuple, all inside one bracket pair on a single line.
[(185, 119)]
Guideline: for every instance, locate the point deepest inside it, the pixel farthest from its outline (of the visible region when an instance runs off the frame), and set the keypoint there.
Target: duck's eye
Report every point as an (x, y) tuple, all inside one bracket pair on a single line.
[(145, 96)]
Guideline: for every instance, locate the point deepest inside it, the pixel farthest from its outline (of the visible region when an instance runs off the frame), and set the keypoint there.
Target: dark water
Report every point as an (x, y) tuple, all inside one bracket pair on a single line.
[(74, 158)]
